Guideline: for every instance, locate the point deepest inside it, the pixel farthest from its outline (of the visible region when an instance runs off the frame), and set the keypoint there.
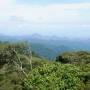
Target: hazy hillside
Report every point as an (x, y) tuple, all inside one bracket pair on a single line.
[(50, 46)]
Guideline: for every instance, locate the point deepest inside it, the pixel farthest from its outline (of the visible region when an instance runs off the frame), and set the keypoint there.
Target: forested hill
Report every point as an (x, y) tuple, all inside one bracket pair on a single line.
[(21, 69)]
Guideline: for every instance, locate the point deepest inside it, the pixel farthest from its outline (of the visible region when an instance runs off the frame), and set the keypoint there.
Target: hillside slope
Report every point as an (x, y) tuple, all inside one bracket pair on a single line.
[(44, 74)]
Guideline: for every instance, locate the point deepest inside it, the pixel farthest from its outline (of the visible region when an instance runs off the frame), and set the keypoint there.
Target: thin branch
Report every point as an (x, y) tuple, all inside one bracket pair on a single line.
[(20, 66)]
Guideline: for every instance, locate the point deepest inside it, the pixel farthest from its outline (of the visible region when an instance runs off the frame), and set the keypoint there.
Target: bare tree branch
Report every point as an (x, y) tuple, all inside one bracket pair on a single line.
[(19, 66)]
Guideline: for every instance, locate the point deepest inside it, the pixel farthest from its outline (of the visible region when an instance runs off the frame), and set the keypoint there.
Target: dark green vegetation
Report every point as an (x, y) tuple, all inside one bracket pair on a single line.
[(11, 76), (70, 71), (80, 57)]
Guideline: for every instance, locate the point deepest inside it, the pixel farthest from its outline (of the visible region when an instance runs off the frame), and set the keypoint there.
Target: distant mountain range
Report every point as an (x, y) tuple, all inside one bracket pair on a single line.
[(51, 46)]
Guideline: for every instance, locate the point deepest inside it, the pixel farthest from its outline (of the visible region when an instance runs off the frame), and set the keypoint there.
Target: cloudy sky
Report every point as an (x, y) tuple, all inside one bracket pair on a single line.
[(68, 18)]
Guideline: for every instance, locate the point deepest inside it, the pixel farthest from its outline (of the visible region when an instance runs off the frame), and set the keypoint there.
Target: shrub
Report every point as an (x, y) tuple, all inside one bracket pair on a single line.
[(54, 77), (79, 57)]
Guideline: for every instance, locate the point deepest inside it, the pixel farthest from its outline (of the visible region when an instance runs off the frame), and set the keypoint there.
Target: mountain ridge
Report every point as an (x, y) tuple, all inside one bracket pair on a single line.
[(50, 46)]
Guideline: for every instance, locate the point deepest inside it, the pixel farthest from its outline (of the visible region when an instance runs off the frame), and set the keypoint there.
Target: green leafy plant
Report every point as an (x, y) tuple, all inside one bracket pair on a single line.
[(54, 77)]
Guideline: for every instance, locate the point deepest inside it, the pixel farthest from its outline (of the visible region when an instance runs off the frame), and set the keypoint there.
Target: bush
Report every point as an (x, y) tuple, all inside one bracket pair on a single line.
[(80, 57), (54, 77)]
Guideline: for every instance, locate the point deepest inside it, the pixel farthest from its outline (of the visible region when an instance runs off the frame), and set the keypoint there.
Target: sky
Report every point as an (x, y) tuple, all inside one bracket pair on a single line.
[(63, 18)]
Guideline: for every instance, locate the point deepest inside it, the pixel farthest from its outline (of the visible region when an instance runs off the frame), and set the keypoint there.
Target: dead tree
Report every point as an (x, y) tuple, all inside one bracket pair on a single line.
[(18, 62)]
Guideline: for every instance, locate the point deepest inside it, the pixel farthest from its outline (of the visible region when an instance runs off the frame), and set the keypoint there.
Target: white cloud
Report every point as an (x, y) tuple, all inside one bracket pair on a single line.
[(61, 14), (52, 14), (6, 9), (19, 18), (5, 3)]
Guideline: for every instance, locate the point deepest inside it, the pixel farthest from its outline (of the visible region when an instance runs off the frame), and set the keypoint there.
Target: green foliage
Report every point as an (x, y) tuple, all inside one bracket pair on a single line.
[(55, 77), (5, 57), (46, 75), (80, 57), (20, 47), (10, 76)]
